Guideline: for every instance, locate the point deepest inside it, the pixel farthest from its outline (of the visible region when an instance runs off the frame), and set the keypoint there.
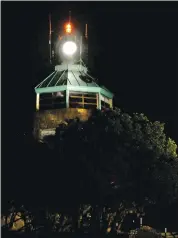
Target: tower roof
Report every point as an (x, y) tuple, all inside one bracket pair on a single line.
[(73, 77)]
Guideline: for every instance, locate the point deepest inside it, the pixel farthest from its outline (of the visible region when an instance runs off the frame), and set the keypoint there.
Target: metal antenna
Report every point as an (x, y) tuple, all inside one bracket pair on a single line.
[(86, 31), (86, 44), (80, 51), (69, 16), (50, 31)]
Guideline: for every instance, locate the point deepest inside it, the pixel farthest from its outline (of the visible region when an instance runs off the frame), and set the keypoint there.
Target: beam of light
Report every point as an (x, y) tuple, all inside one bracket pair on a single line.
[(69, 48)]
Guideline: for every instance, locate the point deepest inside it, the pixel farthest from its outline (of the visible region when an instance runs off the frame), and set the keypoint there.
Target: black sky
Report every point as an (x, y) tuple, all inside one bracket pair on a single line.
[(134, 48)]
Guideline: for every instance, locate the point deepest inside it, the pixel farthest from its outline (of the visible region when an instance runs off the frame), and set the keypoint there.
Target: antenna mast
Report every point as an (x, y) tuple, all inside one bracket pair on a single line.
[(50, 31), (69, 16), (86, 31), (81, 42), (86, 44)]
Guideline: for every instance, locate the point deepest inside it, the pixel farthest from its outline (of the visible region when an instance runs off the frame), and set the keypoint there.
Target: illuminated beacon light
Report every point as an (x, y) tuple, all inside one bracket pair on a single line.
[(68, 28), (69, 48)]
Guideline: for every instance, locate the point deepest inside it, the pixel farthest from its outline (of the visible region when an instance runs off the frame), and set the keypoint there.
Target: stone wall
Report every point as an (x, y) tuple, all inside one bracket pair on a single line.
[(46, 121)]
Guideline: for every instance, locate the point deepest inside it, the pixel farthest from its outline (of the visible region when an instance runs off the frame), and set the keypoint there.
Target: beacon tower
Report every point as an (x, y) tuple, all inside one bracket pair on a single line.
[(69, 91)]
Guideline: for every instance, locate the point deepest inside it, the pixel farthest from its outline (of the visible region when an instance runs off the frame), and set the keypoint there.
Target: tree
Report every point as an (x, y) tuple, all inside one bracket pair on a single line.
[(124, 161), (98, 172)]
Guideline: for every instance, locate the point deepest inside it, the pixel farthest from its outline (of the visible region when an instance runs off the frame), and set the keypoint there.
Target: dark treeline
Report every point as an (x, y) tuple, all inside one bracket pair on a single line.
[(98, 176)]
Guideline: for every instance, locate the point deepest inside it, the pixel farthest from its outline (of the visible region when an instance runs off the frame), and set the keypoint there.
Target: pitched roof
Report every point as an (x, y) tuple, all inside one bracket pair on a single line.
[(74, 75)]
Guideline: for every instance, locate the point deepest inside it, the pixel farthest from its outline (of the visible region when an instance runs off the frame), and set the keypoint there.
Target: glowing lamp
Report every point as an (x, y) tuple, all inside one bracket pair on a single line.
[(68, 28), (69, 48)]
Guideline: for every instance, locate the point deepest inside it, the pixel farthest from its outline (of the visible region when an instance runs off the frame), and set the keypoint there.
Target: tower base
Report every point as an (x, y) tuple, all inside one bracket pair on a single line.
[(46, 122)]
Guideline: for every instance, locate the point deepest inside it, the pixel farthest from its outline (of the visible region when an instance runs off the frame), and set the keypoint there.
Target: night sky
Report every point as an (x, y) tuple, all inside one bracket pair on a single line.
[(133, 52)]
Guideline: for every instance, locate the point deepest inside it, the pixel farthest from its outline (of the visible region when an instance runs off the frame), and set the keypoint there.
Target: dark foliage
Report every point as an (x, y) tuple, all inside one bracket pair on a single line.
[(114, 162)]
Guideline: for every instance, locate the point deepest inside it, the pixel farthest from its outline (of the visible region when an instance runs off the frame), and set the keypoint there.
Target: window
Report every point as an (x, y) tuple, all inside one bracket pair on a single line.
[(104, 102), (82, 100), (55, 100), (59, 100)]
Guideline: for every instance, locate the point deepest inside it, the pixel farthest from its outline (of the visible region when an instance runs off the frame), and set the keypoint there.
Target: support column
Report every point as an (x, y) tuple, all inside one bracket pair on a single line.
[(37, 102), (83, 101), (110, 103), (99, 101), (67, 98)]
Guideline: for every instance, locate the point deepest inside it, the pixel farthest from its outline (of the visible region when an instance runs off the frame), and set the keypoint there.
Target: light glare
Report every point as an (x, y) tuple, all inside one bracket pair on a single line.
[(68, 28), (69, 48)]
